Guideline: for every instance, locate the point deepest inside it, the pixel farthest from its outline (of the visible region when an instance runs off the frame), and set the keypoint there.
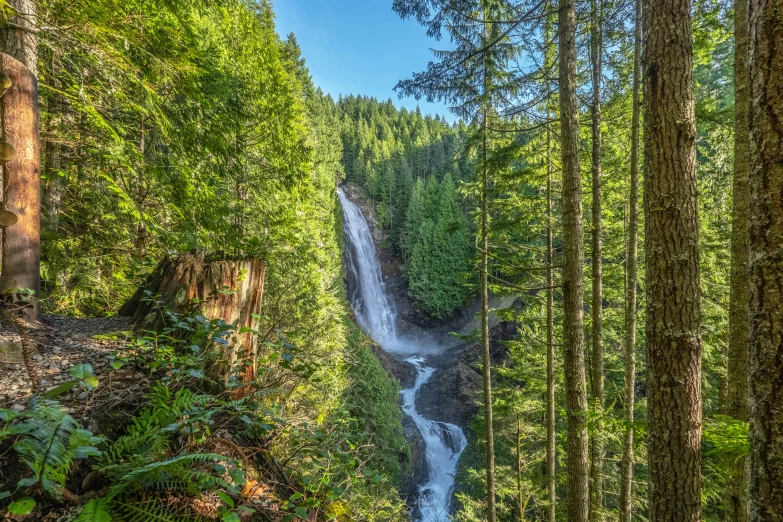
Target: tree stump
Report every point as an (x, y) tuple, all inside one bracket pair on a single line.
[(227, 289)]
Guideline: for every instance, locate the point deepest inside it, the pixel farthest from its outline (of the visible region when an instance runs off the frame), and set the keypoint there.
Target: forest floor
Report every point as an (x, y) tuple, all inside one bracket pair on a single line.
[(61, 343)]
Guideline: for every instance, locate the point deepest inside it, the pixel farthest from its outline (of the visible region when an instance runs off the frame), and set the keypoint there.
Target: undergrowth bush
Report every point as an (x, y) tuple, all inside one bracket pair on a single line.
[(199, 445)]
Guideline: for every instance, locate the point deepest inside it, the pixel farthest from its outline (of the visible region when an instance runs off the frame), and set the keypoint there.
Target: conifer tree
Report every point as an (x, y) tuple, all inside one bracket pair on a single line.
[(573, 240), (631, 281), (765, 274), (674, 380), (596, 326), (413, 218), (474, 80)]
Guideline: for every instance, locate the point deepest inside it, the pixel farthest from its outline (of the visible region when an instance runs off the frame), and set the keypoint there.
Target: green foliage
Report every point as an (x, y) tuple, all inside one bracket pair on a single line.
[(23, 506), (372, 399), (178, 153), (51, 439), (406, 162), (439, 268)]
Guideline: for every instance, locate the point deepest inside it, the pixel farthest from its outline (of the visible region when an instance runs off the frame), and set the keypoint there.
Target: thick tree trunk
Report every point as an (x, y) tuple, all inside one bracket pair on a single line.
[(736, 401), (230, 290), (597, 359), (21, 252), (672, 261), (765, 24), (631, 278), (573, 242)]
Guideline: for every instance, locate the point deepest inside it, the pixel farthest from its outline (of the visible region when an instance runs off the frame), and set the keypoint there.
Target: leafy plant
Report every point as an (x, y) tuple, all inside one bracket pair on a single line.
[(50, 441)]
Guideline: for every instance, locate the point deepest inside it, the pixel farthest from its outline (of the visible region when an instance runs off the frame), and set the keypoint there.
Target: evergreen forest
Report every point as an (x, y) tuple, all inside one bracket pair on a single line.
[(227, 294)]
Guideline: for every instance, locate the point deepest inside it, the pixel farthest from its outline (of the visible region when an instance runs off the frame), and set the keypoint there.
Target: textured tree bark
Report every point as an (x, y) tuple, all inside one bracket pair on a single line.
[(60, 117), (765, 24), (573, 245), (19, 37), (736, 401), (597, 359), (631, 279), (52, 192), (231, 290), (672, 261), (21, 253)]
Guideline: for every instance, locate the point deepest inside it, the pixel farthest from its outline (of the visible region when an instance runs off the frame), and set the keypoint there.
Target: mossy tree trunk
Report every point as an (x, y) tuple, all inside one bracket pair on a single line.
[(765, 274)]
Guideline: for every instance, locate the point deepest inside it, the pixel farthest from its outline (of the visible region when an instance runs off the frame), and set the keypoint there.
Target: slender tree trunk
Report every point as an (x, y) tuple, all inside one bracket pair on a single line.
[(52, 193), (765, 24), (573, 241), (489, 433), (60, 117), (672, 260), (550, 340), (141, 227), (597, 359), (737, 369), (629, 341)]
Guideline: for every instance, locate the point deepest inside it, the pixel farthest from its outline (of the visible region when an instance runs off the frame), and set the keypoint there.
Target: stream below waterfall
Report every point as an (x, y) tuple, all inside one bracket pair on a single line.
[(444, 442)]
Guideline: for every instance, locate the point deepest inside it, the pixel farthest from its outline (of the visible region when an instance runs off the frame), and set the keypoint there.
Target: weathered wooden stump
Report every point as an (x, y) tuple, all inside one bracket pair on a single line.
[(227, 289)]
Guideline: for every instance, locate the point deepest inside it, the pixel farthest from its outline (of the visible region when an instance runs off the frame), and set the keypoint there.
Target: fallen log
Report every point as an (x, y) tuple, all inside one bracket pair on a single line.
[(214, 287)]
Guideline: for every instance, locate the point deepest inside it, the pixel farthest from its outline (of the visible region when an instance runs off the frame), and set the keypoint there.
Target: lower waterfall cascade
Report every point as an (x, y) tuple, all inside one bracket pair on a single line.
[(444, 442)]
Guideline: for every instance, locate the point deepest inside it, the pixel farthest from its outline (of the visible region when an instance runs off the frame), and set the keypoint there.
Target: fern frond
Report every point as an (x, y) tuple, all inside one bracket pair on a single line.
[(177, 473), (51, 440), (96, 510), (147, 439), (152, 510)]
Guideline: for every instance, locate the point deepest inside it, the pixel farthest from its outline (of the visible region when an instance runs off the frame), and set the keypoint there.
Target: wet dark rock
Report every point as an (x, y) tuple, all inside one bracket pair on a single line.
[(419, 471), (452, 392), (403, 371)]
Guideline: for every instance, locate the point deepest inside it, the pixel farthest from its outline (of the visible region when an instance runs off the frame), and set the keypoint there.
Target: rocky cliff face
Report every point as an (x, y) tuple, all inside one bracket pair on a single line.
[(457, 381)]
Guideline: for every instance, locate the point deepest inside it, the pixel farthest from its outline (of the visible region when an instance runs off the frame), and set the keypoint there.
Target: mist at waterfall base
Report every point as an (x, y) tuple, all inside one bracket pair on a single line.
[(444, 442)]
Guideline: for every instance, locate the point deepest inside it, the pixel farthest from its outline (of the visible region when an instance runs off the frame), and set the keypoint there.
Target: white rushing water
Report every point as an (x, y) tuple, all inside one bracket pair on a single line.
[(371, 306), (444, 442)]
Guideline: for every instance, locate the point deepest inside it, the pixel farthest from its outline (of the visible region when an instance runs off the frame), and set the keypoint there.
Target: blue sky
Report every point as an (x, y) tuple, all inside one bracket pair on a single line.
[(359, 47)]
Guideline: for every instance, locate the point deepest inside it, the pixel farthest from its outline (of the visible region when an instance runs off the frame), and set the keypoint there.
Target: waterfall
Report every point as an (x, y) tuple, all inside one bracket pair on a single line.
[(444, 442), (373, 312)]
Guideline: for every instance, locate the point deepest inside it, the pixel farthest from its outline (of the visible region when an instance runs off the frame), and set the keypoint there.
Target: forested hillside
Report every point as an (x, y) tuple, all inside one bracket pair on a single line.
[(229, 295), (411, 166)]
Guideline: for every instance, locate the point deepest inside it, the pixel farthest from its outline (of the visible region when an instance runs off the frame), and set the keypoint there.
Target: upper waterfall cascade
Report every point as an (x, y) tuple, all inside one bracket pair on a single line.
[(444, 442)]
